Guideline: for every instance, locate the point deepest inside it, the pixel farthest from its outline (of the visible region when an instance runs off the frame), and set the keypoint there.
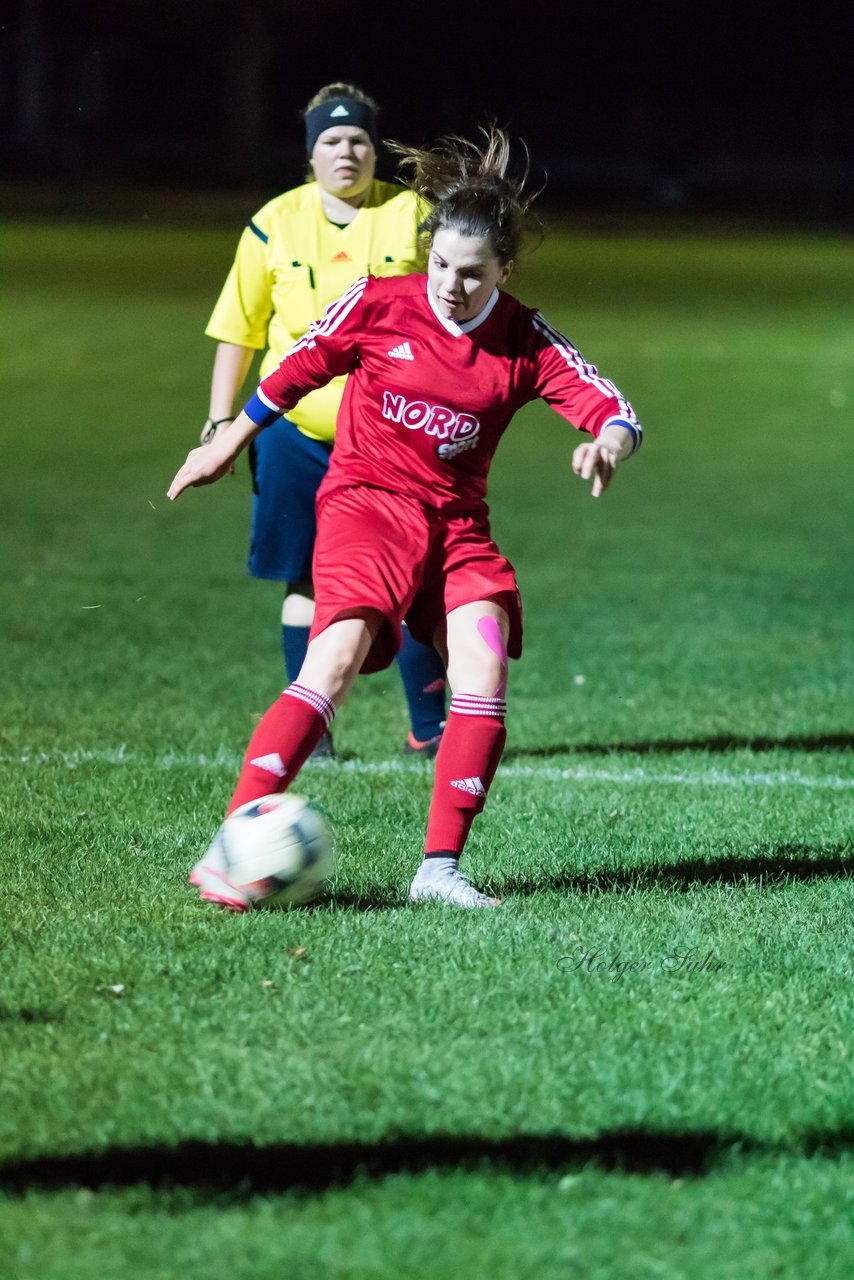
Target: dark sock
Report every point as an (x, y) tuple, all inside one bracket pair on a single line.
[(424, 682), (294, 644)]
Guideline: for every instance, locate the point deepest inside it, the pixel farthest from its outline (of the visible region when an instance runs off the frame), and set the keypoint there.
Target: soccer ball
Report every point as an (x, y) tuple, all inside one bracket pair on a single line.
[(277, 850)]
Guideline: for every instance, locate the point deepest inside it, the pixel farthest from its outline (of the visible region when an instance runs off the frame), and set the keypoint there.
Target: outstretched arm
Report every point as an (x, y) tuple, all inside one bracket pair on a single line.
[(208, 463), (576, 390), (329, 348)]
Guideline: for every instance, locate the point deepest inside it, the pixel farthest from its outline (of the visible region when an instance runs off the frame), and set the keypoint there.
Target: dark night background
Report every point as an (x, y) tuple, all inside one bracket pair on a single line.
[(692, 110)]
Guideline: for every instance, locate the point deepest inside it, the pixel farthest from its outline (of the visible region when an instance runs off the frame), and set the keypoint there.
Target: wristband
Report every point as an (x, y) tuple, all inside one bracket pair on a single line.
[(262, 411), (211, 426), (634, 429)]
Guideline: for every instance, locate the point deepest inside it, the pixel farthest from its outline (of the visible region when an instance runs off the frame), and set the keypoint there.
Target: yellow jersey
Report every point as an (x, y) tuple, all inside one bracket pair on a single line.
[(292, 262)]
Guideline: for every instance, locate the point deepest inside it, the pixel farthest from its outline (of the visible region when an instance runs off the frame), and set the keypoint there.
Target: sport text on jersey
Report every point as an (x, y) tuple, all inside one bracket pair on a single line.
[(458, 431)]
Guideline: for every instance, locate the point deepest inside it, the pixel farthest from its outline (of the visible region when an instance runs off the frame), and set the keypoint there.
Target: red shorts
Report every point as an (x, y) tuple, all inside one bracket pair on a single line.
[(387, 553)]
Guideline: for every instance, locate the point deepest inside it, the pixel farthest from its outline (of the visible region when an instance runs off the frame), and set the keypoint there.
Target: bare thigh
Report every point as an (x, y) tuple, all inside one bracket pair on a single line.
[(335, 656)]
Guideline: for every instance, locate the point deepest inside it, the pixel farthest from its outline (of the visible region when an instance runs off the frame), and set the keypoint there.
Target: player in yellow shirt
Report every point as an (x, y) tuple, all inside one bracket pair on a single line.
[(297, 255)]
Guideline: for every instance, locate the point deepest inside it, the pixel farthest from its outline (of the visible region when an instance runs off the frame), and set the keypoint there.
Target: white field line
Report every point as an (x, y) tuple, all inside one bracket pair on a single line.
[(638, 776)]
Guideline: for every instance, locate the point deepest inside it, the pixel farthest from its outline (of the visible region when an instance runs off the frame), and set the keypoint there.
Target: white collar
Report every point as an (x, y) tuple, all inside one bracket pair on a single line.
[(457, 330)]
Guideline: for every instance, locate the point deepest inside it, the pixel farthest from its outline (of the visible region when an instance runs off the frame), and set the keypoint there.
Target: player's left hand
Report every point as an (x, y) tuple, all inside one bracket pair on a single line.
[(203, 466), (593, 461)]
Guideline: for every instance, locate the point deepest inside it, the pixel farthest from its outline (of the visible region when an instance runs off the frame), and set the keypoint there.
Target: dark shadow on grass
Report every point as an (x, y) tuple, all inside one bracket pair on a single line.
[(363, 902), (784, 864), (719, 743), (24, 1014), (382, 900), (248, 1170)]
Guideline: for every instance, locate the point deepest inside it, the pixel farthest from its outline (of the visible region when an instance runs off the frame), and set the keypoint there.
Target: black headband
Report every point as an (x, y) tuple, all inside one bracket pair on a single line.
[(339, 111)]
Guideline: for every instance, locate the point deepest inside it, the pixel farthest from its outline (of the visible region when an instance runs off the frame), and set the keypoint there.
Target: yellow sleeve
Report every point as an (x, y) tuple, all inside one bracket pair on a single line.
[(243, 309)]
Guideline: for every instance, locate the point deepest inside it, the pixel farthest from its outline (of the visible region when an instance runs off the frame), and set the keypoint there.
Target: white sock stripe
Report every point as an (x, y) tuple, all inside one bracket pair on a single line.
[(469, 705), (477, 697), (317, 701), (472, 700), (498, 712)]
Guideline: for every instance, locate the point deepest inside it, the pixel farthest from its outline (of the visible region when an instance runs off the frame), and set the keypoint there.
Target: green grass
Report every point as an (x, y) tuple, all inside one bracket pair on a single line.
[(758, 1216), (639, 1067)]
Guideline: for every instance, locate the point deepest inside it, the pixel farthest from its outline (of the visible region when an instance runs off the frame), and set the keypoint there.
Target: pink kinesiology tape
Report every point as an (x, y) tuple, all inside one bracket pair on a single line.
[(490, 633)]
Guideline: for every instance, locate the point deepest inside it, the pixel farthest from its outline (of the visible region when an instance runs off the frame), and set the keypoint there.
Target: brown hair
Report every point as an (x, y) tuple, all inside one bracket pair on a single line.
[(340, 89), (469, 189)]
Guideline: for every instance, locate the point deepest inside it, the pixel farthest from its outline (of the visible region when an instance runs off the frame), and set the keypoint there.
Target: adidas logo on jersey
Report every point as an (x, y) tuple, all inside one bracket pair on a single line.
[(473, 786), (340, 110), (271, 764), (402, 352), (341, 257)]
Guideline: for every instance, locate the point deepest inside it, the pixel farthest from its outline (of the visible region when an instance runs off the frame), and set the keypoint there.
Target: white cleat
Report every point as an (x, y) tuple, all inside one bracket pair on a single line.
[(447, 885), (209, 877)]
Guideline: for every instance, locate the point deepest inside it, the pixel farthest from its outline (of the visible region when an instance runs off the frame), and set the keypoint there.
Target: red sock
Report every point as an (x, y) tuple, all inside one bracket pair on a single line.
[(471, 747), (285, 738)]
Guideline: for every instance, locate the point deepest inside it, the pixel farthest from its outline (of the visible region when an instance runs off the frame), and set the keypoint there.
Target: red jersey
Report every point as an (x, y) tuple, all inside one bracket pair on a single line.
[(427, 399)]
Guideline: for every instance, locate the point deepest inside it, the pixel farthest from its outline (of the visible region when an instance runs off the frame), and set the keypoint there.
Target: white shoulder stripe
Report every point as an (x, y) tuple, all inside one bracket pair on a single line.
[(334, 315), (587, 372), (357, 288)]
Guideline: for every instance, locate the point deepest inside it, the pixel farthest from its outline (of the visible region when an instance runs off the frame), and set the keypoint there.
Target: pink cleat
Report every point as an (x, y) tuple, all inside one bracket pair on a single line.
[(208, 875), (427, 749)]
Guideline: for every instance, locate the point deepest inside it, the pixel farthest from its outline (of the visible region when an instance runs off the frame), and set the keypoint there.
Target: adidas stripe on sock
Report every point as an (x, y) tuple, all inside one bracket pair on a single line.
[(286, 736), (472, 745)]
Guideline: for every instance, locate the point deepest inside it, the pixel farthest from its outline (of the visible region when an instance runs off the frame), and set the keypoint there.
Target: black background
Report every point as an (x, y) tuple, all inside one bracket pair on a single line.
[(728, 108)]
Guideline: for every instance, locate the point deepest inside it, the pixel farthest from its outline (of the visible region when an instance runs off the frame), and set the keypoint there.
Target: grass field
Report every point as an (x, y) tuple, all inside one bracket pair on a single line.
[(641, 1066)]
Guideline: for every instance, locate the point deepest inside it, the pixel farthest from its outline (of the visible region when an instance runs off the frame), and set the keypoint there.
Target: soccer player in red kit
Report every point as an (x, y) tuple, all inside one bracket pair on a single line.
[(437, 366)]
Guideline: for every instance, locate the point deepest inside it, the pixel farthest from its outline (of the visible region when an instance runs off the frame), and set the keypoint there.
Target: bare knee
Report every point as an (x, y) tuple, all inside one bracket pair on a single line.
[(298, 605), (335, 657), (474, 674), (478, 654)]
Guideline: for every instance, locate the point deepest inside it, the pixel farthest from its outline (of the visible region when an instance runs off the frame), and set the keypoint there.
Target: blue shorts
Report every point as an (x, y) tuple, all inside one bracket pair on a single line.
[(287, 468)]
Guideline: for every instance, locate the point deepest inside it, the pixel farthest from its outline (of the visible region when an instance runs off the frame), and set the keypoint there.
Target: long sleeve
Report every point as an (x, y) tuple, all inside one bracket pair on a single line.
[(329, 348), (575, 389)]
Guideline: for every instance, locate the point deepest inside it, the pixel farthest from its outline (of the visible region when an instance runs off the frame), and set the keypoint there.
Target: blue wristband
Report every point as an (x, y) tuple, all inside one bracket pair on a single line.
[(634, 429), (261, 413)]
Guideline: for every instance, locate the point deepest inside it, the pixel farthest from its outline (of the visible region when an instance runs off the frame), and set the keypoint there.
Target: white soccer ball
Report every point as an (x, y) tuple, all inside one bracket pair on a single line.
[(278, 850)]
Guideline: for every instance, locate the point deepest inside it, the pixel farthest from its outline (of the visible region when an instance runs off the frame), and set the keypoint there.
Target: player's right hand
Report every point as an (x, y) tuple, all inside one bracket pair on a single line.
[(597, 462)]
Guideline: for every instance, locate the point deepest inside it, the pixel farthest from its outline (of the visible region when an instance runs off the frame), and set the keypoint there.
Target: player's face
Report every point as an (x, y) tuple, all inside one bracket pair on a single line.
[(462, 272), (344, 160)]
